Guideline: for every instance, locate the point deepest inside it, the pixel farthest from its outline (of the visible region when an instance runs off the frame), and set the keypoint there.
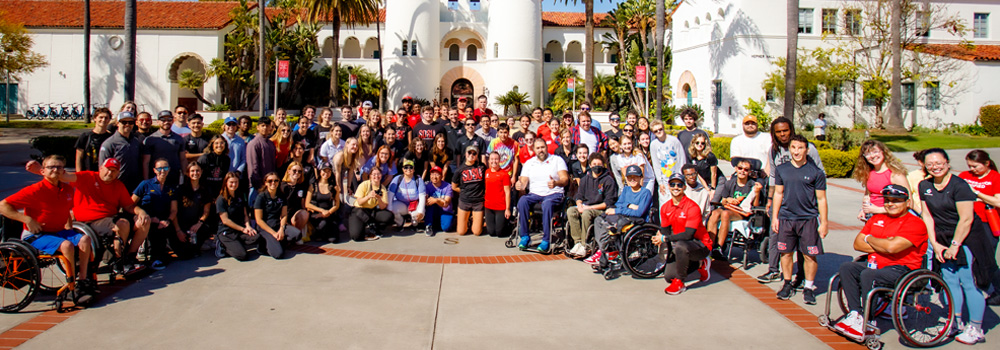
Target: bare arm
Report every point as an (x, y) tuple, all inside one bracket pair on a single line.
[(35, 167), (929, 222), (779, 192), (79, 160), (259, 217), (824, 224)]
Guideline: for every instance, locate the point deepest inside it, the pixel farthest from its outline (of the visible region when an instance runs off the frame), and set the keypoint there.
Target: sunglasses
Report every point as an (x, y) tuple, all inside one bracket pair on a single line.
[(472, 152), (166, 168), (676, 184), (271, 181), (700, 143), (615, 119), (296, 171), (657, 131), (628, 130), (127, 123), (894, 200), (585, 108), (55, 167), (742, 168), (470, 124)]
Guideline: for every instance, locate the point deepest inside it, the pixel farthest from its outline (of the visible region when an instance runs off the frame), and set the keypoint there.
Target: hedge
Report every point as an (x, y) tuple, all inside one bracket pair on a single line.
[(720, 146), (61, 145), (838, 164), (989, 118)]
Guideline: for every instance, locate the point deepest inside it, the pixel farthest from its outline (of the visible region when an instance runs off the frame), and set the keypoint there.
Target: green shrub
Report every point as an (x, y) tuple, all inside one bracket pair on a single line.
[(821, 145), (838, 164), (989, 118), (61, 145), (720, 146), (215, 128), (844, 139)]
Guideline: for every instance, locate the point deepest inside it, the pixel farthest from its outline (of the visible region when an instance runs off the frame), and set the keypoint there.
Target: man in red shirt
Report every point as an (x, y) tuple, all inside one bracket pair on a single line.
[(481, 109), (98, 199), (47, 222), (689, 240), (895, 242)]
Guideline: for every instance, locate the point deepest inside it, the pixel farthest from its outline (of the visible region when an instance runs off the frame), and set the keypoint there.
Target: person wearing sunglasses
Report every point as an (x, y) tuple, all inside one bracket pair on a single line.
[(733, 193), (666, 154), (701, 156), (126, 150), (166, 145), (282, 140), (614, 120), (409, 197), (159, 199), (469, 138), (271, 214), (683, 234), (180, 125), (690, 118), (470, 183), (295, 190)]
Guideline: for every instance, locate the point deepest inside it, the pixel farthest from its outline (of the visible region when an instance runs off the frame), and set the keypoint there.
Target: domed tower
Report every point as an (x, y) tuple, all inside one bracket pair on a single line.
[(514, 49), (411, 46)]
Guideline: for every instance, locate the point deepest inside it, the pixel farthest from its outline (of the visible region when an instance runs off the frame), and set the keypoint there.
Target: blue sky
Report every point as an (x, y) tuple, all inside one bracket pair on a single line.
[(599, 6)]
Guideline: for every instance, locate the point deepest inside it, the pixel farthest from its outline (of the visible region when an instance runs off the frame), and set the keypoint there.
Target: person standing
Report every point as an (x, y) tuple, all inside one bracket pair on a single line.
[(261, 155), (751, 143), (88, 145), (180, 126), (196, 142), (585, 133), (667, 155), (985, 181), (167, 145), (426, 129), (143, 125), (799, 199), (614, 120), (470, 183), (690, 118), (244, 128), (819, 127), (237, 146), (125, 148)]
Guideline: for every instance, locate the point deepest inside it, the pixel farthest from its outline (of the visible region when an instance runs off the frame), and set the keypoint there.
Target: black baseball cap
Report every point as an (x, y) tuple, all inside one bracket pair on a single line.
[(895, 191), (633, 170)]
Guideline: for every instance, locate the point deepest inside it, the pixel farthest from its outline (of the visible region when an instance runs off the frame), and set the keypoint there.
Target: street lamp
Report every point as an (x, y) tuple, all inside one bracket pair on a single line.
[(275, 106)]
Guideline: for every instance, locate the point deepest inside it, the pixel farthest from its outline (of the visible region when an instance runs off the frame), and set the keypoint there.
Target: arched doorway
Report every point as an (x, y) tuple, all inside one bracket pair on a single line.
[(187, 97), (687, 94), (462, 88)]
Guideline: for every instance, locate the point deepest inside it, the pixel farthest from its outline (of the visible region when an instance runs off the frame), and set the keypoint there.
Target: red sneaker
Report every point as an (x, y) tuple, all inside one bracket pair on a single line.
[(593, 259), (676, 287), (612, 256), (705, 270)]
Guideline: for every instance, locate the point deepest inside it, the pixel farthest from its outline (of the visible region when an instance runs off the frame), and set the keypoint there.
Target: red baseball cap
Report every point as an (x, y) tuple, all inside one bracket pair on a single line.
[(111, 163), (436, 169)]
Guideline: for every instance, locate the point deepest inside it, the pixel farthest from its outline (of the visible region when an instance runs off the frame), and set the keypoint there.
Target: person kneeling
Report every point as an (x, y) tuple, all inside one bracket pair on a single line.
[(408, 196), (686, 238), (370, 207), (271, 213), (632, 205), (895, 243)]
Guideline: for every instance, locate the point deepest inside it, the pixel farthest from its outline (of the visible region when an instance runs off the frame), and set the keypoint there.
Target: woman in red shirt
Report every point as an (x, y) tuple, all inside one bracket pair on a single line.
[(985, 181), (497, 197)]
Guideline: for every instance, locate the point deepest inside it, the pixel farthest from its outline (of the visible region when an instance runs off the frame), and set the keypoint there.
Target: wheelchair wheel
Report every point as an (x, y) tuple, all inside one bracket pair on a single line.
[(922, 309), (639, 254), (880, 302), (52, 275), (20, 278), (762, 249)]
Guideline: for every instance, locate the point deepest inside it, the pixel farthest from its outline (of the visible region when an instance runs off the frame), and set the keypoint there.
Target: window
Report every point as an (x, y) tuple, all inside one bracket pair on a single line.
[(769, 95), (981, 25), (868, 99), (717, 95), (406, 46), (474, 5), (548, 57), (471, 53), (907, 94), (933, 95), (829, 21), (834, 95), (805, 21), (413, 48), (496, 50), (923, 19), (453, 52), (614, 58), (852, 22), (809, 97)]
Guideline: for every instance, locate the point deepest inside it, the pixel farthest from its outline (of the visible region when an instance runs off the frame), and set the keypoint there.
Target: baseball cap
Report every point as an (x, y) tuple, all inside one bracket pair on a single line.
[(407, 162), (126, 115), (436, 169), (633, 170), (675, 176), (230, 119), (750, 118), (472, 148), (324, 165), (264, 120), (895, 191), (462, 99), (367, 104), (407, 98), (111, 163), (164, 114)]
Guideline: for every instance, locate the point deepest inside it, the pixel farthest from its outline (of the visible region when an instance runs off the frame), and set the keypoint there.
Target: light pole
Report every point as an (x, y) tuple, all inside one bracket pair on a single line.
[(275, 106)]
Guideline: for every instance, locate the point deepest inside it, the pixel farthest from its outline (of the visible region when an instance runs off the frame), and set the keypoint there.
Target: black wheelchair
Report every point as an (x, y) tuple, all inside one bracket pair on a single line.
[(636, 252), (750, 233), (557, 240), (920, 304)]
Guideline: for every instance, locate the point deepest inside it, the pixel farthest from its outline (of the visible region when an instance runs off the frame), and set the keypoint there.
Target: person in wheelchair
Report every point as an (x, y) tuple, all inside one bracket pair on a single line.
[(544, 178), (688, 240), (102, 202), (47, 223), (732, 194), (598, 191), (632, 207), (895, 242)]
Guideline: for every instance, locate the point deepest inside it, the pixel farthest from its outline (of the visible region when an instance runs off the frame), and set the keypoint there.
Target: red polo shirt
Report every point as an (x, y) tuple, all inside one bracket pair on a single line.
[(96, 199), (909, 227), (47, 203), (683, 216)]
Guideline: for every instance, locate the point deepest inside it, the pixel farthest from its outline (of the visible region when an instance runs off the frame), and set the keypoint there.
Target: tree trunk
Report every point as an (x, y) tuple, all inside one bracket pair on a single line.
[(381, 70), (792, 52), (86, 61), (658, 41), (130, 29), (588, 47), (895, 120), (335, 62), (201, 98), (262, 60)]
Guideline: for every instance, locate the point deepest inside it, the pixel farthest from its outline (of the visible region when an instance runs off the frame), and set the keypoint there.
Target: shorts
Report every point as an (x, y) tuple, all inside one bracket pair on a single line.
[(462, 205), (103, 227), (49, 242), (800, 234)]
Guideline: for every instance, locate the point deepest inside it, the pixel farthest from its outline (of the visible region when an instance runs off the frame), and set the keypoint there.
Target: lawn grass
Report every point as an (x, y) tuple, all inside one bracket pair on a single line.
[(45, 124), (918, 141)]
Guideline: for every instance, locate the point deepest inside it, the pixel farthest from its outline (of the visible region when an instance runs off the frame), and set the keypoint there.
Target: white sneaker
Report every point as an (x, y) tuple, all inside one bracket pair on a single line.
[(850, 325), (578, 250), (971, 336)]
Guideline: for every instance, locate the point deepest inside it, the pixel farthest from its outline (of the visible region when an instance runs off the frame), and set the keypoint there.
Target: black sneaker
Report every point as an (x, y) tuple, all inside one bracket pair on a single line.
[(787, 291), (809, 295), (994, 299), (769, 277), (718, 255), (84, 293), (797, 282)]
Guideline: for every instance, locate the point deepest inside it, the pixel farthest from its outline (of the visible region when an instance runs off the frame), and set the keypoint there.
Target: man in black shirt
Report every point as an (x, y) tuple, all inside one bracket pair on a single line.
[(426, 129), (143, 125), (454, 127), (614, 120), (398, 147), (690, 118), (125, 148), (167, 145), (469, 138), (88, 145), (348, 126), (597, 192), (195, 142)]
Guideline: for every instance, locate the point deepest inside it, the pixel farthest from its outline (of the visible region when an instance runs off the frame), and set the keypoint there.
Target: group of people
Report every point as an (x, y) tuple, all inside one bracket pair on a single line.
[(465, 169)]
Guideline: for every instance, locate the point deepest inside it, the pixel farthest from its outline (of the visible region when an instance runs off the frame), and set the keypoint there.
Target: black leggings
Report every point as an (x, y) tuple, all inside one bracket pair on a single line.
[(496, 223), (236, 243), (324, 228), (360, 217), (160, 239)]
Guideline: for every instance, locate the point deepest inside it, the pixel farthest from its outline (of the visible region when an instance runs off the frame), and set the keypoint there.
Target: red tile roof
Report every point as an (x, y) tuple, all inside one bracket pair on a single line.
[(111, 14), (961, 52), (569, 19)]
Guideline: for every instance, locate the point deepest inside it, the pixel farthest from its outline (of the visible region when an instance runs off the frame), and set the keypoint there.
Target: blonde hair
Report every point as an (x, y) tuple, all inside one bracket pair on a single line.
[(704, 153), (280, 140), (288, 173)]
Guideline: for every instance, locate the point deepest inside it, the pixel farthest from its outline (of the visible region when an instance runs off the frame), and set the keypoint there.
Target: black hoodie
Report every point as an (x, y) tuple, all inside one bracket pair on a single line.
[(594, 191)]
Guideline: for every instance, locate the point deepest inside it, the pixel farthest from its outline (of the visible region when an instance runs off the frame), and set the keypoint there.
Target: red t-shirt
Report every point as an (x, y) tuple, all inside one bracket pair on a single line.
[(988, 185), (685, 215), (479, 113), (495, 181), (412, 120), (96, 199), (48, 204), (909, 227), (525, 153)]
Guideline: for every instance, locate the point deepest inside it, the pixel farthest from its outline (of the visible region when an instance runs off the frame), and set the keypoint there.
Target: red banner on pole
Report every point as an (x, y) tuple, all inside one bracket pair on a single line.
[(570, 85), (640, 76), (282, 71), (353, 81)]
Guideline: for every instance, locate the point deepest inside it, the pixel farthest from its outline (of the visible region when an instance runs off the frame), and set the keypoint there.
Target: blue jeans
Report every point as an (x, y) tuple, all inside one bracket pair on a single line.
[(438, 218), (963, 287), (524, 205)]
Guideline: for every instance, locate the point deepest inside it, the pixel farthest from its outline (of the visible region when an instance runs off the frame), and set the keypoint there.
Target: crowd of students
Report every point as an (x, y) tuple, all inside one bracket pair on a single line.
[(465, 169)]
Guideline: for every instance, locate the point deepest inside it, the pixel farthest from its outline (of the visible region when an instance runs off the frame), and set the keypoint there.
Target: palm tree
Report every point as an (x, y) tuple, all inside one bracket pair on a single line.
[(604, 90), (191, 80), (588, 47), (130, 29), (341, 12), (513, 98), (792, 31), (895, 120), (559, 77)]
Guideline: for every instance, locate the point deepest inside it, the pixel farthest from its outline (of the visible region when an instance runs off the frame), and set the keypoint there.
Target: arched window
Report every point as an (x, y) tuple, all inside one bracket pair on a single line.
[(553, 52), (574, 52), (351, 49), (471, 53), (496, 50), (406, 46), (453, 52), (413, 48)]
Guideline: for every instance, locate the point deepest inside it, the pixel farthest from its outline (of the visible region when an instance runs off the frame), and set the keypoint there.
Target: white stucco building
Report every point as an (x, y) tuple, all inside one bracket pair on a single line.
[(723, 50), (432, 49)]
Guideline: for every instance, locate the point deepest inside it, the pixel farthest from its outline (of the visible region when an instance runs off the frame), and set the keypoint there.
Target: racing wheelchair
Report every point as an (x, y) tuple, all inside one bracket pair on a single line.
[(751, 232), (919, 303)]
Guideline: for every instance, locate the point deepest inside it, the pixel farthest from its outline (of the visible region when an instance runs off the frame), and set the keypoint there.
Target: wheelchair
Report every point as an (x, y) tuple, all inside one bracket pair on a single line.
[(636, 252), (920, 304), (557, 240), (751, 233), (26, 271)]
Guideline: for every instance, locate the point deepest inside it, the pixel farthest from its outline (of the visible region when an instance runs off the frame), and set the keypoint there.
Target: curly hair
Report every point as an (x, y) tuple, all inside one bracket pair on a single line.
[(863, 167)]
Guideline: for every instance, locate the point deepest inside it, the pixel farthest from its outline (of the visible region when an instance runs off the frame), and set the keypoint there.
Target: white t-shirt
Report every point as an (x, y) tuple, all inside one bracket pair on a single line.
[(819, 127), (539, 173), (757, 147), (587, 137), (328, 149)]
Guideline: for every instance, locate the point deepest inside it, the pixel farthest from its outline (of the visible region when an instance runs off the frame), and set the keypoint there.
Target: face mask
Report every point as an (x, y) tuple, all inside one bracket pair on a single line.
[(597, 169)]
